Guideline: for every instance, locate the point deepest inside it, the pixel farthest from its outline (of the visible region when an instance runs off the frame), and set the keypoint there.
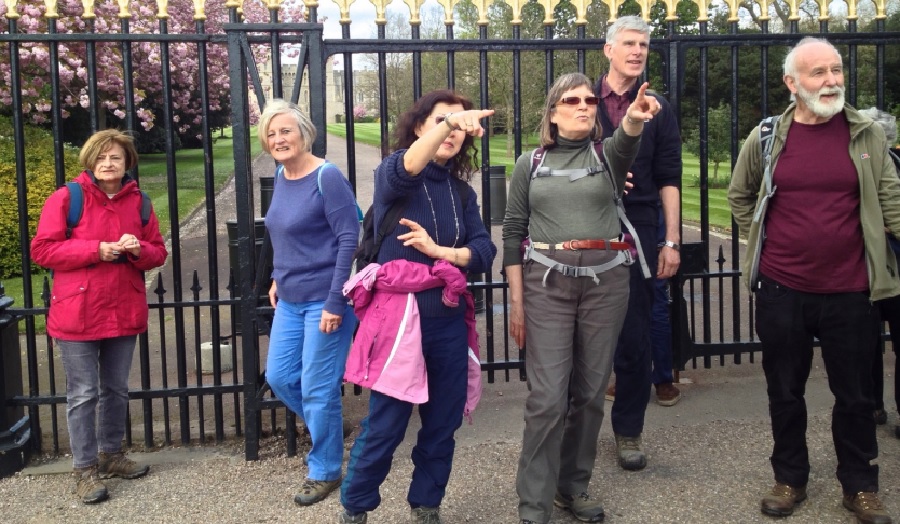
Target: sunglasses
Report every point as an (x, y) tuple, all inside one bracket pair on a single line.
[(576, 100)]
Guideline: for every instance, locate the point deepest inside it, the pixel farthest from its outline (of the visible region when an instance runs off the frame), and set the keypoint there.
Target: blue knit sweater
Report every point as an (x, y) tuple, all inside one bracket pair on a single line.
[(314, 235), (393, 182)]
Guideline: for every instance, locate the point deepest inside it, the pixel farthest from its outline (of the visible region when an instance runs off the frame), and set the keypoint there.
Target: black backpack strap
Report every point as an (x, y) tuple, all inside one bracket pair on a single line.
[(146, 208)]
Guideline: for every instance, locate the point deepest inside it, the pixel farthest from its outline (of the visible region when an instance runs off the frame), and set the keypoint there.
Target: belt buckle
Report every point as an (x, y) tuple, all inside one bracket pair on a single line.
[(570, 246)]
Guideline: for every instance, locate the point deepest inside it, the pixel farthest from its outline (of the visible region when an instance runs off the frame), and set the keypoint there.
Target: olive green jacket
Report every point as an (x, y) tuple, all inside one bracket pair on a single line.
[(879, 191)]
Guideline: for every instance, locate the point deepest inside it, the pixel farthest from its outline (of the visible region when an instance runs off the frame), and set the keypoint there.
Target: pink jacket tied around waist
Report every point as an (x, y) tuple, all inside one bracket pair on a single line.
[(386, 355)]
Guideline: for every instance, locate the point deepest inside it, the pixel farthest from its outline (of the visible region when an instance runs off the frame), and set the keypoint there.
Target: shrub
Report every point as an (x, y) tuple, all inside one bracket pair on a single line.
[(40, 180)]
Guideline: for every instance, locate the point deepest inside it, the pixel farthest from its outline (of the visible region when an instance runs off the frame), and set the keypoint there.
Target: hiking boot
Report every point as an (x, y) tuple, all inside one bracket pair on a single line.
[(118, 465), (348, 518), (582, 506), (631, 456), (611, 393), (868, 508), (425, 515), (667, 394), (313, 491), (88, 485), (782, 500), (880, 417)]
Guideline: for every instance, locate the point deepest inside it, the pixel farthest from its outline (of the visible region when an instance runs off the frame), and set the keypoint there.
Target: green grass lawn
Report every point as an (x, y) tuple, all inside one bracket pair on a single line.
[(190, 187), (719, 211), (189, 175)]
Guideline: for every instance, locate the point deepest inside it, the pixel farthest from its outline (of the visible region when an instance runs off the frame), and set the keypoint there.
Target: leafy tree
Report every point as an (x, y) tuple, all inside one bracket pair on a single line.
[(34, 59), (718, 140)]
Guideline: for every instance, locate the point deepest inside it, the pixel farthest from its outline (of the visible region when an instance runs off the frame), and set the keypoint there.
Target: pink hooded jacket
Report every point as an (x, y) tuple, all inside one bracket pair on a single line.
[(386, 355)]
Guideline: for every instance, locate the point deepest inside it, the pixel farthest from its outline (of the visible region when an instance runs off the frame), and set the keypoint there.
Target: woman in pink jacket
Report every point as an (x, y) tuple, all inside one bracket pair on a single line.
[(99, 302)]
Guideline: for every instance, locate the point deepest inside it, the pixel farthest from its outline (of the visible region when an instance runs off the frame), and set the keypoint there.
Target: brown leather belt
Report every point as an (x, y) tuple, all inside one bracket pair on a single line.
[(576, 245)]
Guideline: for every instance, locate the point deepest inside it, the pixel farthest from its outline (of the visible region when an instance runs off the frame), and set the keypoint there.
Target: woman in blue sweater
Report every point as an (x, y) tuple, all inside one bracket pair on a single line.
[(314, 227), (434, 158)]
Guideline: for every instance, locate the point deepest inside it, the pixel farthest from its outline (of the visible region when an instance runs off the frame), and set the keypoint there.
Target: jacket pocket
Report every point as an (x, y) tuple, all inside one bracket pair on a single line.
[(68, 307), (134, 306)]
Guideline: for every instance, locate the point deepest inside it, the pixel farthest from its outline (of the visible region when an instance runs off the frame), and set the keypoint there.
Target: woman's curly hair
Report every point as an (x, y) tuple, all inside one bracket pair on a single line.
[(465, 163)]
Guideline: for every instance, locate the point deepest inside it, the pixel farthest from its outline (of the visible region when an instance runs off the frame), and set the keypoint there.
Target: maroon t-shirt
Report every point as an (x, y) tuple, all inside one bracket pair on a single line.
[(813, 234)]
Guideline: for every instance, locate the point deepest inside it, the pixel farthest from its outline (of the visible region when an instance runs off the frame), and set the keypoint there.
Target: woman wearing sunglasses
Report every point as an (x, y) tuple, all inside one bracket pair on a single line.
[(428, 173), (569, 292)]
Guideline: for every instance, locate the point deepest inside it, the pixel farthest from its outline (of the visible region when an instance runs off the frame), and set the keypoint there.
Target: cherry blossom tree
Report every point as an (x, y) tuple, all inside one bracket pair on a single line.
[(183, 64)]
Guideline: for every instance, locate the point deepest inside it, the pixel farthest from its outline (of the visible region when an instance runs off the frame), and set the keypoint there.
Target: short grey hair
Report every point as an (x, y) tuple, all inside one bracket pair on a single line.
[(887, 121), (626, 23), (548, 130), (276, 107), (790, 65)]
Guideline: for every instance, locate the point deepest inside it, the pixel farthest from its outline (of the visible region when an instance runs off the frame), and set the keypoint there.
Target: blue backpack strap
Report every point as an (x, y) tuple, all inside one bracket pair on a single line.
[(359, 212), (76, 206)]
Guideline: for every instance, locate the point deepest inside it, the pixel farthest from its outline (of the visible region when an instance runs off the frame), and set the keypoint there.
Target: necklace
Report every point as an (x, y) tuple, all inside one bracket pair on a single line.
[(437, 236)]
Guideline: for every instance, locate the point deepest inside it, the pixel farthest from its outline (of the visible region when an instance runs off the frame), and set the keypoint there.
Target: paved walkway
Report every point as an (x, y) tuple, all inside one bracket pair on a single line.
[(708, 461)]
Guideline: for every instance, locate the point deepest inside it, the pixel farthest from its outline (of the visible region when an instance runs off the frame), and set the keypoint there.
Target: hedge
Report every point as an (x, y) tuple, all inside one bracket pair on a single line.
[(40, 180)]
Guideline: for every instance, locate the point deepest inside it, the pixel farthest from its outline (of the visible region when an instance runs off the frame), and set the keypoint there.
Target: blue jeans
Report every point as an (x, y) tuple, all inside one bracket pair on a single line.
[(305, 368), (445, 347), (96, 376), (845, 324)]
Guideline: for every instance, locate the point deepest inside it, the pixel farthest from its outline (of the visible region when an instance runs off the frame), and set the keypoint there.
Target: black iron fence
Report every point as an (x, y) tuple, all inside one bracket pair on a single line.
[(183, 390)]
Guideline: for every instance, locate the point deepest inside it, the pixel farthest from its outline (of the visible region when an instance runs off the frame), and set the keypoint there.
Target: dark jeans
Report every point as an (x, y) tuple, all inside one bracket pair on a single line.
[(890, 313), (845, 324), (632, 359)]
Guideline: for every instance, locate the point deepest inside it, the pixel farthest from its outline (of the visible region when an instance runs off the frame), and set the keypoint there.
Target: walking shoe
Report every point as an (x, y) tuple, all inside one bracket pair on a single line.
[(611, 393), (88, 485), (425, 515), (358, 518), (868, 508), (313, 491), (631, 456), (667, 394), (782, 500), (880, 417), (118, 465), (582, 506)]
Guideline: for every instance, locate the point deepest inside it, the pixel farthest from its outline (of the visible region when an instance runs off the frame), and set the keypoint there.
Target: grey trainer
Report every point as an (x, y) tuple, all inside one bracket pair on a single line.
[(348, 518), (631, 456), (582, 506), (425, 515), (313, 491)]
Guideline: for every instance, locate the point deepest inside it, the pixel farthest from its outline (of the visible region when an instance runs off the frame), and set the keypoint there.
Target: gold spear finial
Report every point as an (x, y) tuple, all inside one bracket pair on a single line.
[(11, 12)]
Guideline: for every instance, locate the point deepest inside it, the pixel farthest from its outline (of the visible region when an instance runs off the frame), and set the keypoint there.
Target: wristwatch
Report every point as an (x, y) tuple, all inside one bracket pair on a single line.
[(668, 243)]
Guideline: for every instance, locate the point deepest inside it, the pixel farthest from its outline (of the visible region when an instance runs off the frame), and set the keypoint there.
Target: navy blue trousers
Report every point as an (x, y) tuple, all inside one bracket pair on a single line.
[(632, 360), (787, 321), (445, 347)]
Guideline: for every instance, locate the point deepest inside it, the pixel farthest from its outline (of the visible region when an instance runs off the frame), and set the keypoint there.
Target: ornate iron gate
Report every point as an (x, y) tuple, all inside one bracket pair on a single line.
[(704, 326)]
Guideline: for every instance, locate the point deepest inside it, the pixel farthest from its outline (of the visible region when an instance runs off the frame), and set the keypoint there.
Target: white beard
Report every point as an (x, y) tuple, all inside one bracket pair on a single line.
[(820, 108)]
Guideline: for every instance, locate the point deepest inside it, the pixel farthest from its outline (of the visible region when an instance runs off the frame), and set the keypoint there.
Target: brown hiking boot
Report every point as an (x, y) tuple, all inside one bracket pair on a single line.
[(868, 508), (667, 394), (88, 486), (118, 465), (782, 500), (611, 393)]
